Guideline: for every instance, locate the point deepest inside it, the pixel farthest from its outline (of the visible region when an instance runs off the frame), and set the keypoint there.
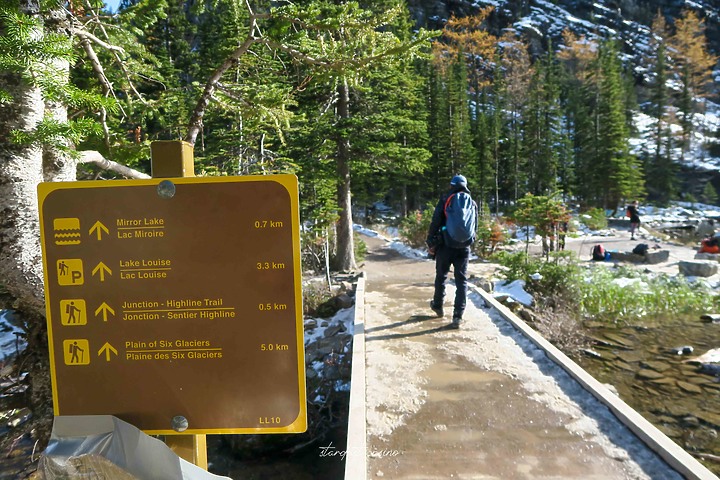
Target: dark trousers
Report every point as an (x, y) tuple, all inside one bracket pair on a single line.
[(458, 258)]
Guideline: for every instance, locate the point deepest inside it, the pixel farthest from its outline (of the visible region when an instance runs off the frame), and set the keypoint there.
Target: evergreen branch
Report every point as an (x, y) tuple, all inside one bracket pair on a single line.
[(344, 63), (228, 92), (131, 84), (296, 54)]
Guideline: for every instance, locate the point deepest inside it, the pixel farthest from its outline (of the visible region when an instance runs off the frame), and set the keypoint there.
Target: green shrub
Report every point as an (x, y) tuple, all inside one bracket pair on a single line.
[(360, 247), (596, 294), (559, 276), (517, 265), (414, 228), (490, 234), (594, 219), (315, 294)]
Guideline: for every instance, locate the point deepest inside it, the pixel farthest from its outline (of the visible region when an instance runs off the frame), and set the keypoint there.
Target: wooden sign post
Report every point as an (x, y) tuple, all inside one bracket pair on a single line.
[(168, 160)]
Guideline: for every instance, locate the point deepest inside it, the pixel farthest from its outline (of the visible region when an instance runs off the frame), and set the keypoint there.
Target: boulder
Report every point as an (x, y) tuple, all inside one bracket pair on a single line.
[(657, 256), (485, 284), (698, 268), (711, 356), (686, 350), (715, 257), (651, 257), (332, 330), (344, 301), (705, 229)]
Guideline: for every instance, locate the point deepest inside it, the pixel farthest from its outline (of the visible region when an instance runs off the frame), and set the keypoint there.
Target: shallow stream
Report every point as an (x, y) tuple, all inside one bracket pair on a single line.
[(643, 364)]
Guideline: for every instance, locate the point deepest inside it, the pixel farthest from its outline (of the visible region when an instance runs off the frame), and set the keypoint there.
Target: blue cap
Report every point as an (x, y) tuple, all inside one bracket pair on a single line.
[(458, 181)]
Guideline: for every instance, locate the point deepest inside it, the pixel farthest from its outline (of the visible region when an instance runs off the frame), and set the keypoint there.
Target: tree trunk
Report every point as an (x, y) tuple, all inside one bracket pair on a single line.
[(20, 172), (22, 168), (21, 271), (58, 166), (345, 259)]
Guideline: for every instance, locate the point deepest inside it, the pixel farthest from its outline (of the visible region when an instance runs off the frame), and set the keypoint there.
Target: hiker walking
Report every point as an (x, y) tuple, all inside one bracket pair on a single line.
[(562, 233), (452, 230), (632, 212)]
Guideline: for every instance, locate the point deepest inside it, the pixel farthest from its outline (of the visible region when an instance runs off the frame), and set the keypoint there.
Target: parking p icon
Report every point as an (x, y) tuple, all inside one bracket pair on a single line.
[(70, 271)]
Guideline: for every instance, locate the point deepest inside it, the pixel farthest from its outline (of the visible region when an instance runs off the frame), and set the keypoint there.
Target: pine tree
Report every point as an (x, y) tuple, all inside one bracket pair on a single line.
[(349, 40), (543, 128), (515, 62), (461, 151), (661, 180), (709, 195), (390, 138), (499, 140), (692, 66), (438, 129), (464, 49), (482, 170), (622, 175), (580, 66)]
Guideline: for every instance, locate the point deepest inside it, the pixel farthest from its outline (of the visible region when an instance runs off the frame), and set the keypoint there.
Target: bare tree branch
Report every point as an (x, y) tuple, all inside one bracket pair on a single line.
[(196, 119), (96, 65), (82, 33), (104, 81), (92, 156)]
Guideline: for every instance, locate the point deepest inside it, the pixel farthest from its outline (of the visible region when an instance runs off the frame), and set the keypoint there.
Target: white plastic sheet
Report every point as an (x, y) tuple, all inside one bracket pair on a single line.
[(100, 447)]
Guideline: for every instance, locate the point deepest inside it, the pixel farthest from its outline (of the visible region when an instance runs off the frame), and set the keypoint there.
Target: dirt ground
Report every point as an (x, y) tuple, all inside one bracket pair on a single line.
[(481, 402)]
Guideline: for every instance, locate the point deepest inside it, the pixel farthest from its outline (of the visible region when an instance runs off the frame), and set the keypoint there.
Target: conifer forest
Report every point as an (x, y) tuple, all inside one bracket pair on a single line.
[(361, 100), (366, 102)]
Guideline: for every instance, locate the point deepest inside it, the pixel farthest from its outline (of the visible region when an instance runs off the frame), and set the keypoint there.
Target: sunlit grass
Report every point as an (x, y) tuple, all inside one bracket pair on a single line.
[(608, 296)]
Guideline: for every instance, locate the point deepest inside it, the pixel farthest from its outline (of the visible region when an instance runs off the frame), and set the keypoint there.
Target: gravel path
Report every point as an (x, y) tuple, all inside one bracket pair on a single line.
[(481, 402)]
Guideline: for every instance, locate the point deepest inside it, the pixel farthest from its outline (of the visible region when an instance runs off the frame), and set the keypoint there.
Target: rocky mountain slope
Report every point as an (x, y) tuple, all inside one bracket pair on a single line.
[(541, 23)]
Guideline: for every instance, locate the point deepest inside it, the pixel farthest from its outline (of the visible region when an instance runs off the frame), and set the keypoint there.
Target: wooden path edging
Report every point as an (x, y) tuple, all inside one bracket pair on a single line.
[(356, 449), (679, 459)]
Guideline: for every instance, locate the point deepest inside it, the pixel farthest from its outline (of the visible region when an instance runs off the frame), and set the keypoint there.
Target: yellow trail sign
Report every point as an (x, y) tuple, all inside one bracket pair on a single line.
[(176, 298)]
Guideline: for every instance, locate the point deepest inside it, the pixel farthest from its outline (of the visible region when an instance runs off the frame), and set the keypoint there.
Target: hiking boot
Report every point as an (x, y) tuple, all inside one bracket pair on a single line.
[(456, 321), (438, 310)]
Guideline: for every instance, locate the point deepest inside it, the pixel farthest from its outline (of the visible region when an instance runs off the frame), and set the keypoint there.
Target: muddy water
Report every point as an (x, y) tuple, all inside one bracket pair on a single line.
[(640, 360)]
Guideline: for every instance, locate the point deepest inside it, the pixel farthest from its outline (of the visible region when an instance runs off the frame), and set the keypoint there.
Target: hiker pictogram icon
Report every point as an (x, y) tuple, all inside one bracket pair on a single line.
[(76, 351), (73, 312)]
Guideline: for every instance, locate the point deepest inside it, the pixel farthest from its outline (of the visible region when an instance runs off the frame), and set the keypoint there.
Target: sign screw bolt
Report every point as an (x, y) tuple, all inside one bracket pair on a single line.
[(166, 189), (179, 423)]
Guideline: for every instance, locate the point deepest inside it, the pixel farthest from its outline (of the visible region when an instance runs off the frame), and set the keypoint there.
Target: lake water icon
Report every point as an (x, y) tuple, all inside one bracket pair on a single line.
[(66, 231)]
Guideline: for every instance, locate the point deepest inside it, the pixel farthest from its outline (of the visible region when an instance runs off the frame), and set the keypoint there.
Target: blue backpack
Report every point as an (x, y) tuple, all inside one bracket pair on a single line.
[(460, 220)]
